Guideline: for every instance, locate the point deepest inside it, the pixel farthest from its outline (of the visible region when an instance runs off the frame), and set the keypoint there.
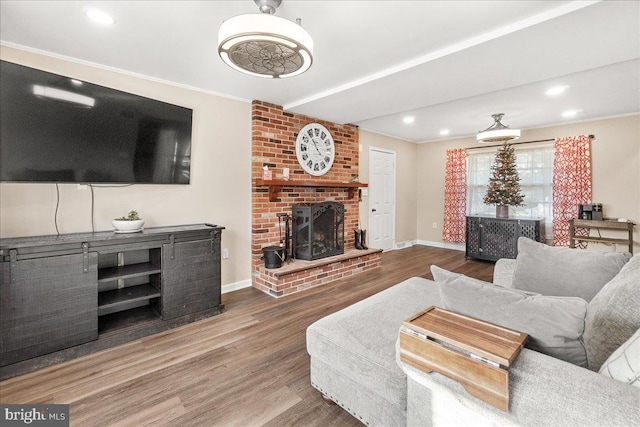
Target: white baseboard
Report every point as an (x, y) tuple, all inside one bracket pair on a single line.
[(230, 287), (455, 246), (404, 245)]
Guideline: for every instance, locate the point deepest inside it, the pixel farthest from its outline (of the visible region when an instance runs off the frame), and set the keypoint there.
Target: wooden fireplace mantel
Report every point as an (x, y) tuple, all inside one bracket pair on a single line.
[(276, 184)]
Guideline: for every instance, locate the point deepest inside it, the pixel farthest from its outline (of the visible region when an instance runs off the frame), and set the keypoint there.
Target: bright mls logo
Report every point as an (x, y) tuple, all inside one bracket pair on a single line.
[(35, 415)]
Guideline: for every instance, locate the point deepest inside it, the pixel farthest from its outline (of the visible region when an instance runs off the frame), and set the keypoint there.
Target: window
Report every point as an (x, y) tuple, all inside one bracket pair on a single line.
[(535, 168)]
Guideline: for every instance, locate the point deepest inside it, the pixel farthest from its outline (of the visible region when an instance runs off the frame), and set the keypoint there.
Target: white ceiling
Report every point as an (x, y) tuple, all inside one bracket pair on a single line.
[(451, 64)]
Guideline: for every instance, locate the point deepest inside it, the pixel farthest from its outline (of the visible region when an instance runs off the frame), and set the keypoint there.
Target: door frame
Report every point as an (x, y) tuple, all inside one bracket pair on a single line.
[(393, 209)]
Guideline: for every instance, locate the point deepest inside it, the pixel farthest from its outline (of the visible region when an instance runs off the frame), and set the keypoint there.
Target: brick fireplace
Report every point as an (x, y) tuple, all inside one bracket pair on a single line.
[(273, 133)]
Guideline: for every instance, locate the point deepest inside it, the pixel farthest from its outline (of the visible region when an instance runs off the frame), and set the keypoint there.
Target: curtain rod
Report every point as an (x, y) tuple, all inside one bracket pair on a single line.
[(517, 143)]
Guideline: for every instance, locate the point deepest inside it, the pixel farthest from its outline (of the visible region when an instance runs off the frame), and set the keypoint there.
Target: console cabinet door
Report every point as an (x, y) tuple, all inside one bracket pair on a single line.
[(473, 248), (499, 239), (190, 277), (47, 304)]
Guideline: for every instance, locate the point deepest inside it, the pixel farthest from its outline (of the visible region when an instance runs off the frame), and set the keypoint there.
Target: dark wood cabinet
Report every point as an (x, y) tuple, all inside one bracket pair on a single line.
[(63, 291), (190, 277), (494, 238), (47, 304)]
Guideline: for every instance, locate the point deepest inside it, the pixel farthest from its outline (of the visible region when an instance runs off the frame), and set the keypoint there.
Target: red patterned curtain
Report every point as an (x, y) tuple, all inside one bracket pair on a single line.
[(455, 196), (571, 183)]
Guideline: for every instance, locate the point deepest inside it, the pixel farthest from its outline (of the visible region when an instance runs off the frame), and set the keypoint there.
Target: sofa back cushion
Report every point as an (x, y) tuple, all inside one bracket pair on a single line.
[(613, 315), (554, 324), (552, 270)]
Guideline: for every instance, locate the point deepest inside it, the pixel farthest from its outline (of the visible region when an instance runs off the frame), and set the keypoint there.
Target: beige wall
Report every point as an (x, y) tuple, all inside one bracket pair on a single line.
[(406, 207), (615, 169), (220, 189)]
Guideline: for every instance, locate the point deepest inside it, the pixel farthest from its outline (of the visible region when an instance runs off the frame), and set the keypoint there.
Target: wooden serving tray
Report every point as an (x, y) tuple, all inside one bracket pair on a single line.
[(473, 352)]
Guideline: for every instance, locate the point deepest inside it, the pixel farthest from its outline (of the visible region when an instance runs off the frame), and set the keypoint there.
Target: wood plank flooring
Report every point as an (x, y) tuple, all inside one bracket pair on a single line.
[(246, 367)]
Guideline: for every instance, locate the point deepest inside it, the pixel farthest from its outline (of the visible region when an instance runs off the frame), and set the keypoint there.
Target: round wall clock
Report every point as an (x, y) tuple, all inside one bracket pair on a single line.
[(315, 149)]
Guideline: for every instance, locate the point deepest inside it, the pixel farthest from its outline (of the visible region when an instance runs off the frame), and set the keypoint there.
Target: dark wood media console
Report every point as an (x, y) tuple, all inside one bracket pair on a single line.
[(65, 296)]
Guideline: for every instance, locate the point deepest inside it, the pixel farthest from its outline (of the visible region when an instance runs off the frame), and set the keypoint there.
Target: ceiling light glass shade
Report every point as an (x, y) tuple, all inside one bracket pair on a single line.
[(265, 45), (497, 132)]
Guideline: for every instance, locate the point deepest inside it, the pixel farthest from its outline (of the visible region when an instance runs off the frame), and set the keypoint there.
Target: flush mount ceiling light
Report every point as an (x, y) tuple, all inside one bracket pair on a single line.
[(408, 120), (497, 132), (264, 45)]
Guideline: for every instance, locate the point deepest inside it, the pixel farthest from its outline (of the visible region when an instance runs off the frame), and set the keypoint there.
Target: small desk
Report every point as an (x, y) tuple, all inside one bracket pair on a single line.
[(604, 225)]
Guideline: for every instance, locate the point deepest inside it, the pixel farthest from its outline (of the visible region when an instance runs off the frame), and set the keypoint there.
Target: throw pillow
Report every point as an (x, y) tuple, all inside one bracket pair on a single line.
[(554, 324), (624, 364), (552, 270), (613, 315)]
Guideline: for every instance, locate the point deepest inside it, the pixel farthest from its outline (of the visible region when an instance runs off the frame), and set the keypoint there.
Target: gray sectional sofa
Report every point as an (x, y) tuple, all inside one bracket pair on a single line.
[(354, 354)]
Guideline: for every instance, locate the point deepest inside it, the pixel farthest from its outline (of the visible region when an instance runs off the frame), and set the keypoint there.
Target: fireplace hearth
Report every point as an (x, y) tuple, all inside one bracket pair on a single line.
[(318, 230)]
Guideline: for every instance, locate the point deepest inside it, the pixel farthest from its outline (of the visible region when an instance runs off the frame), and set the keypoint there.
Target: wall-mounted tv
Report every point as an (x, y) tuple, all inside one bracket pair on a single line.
[(58, 129)]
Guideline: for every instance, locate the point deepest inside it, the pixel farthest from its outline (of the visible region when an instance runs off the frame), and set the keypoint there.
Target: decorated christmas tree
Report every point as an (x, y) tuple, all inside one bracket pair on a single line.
[(504, 184)]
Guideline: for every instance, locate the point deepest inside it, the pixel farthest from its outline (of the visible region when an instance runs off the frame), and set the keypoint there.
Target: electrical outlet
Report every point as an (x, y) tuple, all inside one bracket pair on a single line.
[(82, 186), (434, 225), (225, 254)]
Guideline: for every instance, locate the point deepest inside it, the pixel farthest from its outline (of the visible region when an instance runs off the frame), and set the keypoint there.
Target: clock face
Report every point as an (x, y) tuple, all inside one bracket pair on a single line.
[(315, 149)]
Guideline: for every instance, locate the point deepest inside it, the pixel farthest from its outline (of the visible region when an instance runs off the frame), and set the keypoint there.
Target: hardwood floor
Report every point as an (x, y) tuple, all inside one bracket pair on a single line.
[(246, 367)]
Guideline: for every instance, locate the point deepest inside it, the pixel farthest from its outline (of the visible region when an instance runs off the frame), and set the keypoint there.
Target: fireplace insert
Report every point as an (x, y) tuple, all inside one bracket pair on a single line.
[(318, 230)]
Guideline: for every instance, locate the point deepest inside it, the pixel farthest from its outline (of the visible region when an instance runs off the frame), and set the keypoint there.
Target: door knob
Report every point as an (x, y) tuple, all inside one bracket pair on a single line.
[(373, 210)]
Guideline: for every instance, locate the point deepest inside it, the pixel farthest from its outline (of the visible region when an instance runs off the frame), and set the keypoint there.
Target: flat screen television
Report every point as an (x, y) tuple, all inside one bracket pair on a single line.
[(58, 129)]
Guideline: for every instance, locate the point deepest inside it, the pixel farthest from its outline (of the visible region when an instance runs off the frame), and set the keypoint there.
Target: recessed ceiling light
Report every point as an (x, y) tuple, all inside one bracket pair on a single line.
[(556, 90), (445, 132), (570, 113), (409, 119), (99, 17), (75, 82)]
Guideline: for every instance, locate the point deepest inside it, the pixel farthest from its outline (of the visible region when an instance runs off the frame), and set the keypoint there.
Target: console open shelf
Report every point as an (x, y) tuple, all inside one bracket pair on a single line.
[(127, 271), (121, 299), (275, 185)]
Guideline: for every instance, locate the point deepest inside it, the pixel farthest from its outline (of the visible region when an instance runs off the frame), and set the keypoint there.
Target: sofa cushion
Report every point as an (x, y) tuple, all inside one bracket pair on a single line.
[(552, 270), (613, 315), (554, 324), (359, 341), (624, 363)]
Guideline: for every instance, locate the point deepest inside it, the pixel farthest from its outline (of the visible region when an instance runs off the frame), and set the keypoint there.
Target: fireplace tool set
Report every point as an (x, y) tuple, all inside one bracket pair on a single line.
[(274, 256), (285, 218)]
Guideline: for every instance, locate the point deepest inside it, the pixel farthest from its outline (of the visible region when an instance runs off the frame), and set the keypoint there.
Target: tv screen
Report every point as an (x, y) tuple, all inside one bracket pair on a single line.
[(58, 129)]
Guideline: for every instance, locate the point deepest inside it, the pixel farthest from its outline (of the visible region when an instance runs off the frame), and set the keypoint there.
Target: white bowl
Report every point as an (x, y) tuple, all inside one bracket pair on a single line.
[(122, 225)]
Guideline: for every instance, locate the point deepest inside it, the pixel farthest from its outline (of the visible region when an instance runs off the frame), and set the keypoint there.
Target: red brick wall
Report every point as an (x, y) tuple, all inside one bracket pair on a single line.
[(273, 134), (282, 285)]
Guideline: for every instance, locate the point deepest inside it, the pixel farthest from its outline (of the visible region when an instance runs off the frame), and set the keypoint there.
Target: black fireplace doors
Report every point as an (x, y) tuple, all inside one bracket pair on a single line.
[(318, 230)]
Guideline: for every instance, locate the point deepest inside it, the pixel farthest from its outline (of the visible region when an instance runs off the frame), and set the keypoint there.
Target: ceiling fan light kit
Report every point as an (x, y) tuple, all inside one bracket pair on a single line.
[(497, 132), (264, 45)]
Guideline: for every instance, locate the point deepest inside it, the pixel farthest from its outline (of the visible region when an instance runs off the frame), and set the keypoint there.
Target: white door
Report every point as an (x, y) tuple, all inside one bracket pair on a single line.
[(382, 198)]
